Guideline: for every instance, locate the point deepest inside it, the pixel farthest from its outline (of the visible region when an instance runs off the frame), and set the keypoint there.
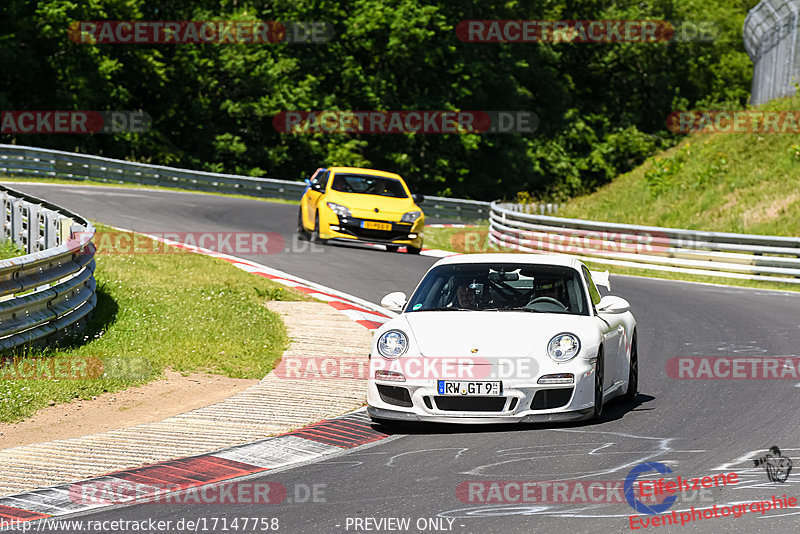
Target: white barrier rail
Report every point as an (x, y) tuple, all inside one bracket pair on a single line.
[(25, 161), (51, 289), (744, 256)]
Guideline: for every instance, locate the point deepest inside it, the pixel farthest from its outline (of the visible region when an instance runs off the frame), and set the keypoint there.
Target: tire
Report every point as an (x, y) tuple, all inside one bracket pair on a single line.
[(413, 250), (315, 233), (391, 248), (597, 412), (633, 372), (302, 234)]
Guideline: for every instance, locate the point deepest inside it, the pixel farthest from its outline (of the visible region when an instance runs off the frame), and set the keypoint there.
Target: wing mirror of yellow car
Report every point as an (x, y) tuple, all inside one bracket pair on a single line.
[(418, 199), (394, 301)]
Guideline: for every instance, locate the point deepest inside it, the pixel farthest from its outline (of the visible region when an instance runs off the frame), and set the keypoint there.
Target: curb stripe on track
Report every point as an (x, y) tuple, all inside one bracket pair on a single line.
[(310, 443)]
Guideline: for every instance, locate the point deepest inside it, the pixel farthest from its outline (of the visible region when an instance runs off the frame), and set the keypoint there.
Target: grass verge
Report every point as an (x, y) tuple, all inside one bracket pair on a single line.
[(124, 185), (475, 240), (178, 310), (9, 249)]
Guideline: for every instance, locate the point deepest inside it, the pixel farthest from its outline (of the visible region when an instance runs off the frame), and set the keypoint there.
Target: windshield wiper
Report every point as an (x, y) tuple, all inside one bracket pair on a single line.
[(565, 312)]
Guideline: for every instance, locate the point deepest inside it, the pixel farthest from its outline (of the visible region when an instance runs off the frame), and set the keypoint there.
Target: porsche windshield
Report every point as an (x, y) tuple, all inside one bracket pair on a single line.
[(368, 185), (501, 287)]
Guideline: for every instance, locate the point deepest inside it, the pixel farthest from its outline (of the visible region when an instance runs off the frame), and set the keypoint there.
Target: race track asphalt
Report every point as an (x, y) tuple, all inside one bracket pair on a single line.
[(696, 427)]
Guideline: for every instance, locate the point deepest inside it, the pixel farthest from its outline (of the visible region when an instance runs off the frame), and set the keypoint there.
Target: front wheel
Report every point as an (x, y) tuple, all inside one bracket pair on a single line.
[(633, 372), (302, 234), (413, 250), (391, 248), (315, 234), (598, 387)]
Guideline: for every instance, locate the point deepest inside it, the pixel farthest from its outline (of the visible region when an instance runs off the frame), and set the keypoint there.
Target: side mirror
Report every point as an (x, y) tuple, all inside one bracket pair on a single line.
[(612, 304), (394, 301), (418, 199)]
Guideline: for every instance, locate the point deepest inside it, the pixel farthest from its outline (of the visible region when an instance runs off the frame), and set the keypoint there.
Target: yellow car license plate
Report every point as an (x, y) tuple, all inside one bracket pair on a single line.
[(372, 225)]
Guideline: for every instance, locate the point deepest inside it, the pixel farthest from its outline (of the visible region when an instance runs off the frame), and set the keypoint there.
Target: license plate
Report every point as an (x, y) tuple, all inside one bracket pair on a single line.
[(372, 225), (455, 387)]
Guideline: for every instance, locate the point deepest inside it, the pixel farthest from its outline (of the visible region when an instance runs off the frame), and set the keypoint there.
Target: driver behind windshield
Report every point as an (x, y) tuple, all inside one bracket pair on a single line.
[(550, 291), (467, 297)]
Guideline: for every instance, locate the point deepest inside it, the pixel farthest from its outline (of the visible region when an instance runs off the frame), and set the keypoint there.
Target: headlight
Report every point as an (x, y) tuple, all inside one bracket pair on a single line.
[(338, 209), (392, 344), (411, 216), (563, 347)]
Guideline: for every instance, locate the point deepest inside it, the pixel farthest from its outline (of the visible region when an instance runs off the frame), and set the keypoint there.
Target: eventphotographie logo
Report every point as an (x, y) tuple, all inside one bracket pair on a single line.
[(775, 464)]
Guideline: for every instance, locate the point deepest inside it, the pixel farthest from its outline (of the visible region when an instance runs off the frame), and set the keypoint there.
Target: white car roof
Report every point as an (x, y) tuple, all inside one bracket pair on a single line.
[(511, 257)]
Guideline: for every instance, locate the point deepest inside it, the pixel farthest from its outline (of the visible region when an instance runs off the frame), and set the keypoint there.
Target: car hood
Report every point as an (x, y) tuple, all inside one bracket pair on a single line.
[(363, 206), (495, 334)]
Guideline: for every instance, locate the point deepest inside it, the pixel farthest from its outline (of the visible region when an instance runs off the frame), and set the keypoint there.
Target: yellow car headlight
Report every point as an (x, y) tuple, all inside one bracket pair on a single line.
[(411, 216), (339, 210)]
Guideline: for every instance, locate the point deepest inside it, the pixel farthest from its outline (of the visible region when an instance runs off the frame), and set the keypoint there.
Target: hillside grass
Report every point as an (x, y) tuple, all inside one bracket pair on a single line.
[(724, 182), (182, 311), (743, 183)]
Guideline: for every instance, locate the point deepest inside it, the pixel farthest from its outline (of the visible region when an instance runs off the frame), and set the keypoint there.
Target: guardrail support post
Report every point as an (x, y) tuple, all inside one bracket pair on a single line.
[(65, 230), (15, 222)]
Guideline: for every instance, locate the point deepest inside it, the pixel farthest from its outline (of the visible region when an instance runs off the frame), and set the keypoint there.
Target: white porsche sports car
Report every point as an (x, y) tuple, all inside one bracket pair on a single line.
[(492, 338)]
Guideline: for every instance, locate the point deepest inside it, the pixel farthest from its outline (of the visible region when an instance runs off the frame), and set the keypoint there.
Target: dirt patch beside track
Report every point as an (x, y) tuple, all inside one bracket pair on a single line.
[(157, 400)]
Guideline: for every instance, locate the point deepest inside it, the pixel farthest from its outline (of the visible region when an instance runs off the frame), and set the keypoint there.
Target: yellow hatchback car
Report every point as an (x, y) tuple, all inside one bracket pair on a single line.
[(350, 203)]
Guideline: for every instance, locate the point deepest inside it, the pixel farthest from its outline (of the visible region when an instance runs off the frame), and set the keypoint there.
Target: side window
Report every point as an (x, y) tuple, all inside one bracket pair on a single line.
[(323, 179), (320, 180), (593, 292)]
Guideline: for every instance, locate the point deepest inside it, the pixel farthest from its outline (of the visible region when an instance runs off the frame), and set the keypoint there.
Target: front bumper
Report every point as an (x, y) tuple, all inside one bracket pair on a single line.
[(352, 229), (395, 415), (521, 400)]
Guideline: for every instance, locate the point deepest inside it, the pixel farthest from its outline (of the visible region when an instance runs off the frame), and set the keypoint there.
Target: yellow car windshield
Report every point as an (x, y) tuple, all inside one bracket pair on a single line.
[(368, 185)]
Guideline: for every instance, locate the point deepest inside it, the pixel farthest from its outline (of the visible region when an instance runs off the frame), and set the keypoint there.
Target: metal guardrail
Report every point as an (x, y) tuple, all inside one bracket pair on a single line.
[(27, 161), (728, 255), (51, 289), (771, 40), (542, 208)]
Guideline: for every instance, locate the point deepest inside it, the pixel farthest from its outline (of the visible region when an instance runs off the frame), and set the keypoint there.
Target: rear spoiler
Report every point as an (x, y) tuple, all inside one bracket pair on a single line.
[(601, 278)]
